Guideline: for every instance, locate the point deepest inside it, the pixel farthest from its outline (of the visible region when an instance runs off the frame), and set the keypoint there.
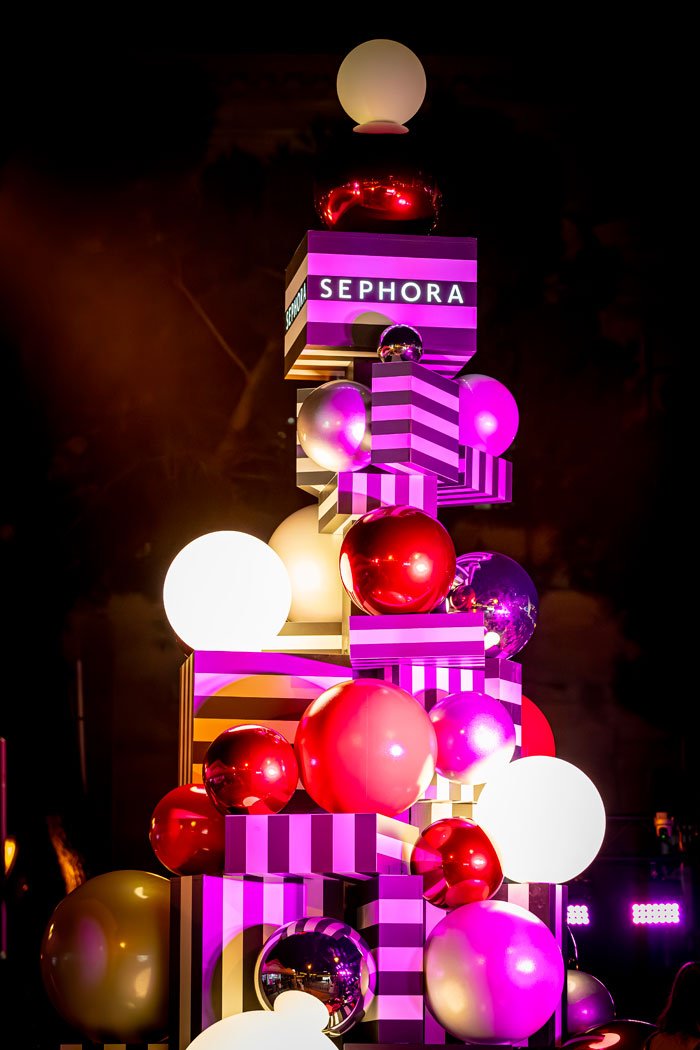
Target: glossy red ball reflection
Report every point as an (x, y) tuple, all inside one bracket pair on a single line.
[(397, 560), (538, 738), (458, 863), (250, 769), (187, 832), (365, 746)]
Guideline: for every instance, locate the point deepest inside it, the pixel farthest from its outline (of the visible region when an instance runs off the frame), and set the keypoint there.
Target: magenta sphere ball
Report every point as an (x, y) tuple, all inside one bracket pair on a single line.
[(488, 414), (475, 735)]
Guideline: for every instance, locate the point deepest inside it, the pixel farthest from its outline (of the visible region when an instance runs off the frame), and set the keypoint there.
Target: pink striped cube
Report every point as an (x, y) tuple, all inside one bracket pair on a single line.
[(349, 495), (441, 639), (415, 421), (348, 845), (483, 479)]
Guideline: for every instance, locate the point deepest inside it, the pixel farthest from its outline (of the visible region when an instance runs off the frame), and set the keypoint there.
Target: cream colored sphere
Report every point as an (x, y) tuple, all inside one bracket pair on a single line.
[(381, 80), (311, 560), (545, 818), (227, 590), (295, 1025)]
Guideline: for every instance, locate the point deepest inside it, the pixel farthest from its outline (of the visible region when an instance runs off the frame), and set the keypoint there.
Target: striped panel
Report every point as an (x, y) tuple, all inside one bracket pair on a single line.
[(348, 845), (218, 928), (425, 812), (483, 479), (415, 420), (548, 902), (308, 639), (327, 334), (441, 639), (503, 681), (388, 912), (349, 495)]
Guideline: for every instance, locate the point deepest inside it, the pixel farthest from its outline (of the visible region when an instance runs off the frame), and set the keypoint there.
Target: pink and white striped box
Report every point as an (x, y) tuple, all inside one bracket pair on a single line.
[(219, 924), (441, 639), (415, 420), (546, 901), (426, 811), (429, 683), (347, 845), (483, 479), (349, 495), (388, 912), (503, 681)]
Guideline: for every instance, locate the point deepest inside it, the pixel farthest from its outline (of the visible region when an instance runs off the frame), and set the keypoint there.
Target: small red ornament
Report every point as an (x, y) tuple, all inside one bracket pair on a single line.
[(537, 735), (458, 863), (187, 832), (365, 746), (250, 769), (397, 560)]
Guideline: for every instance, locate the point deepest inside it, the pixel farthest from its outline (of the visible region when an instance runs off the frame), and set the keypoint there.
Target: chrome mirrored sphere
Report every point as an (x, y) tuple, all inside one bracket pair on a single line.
[(326, 959), (400, 342)]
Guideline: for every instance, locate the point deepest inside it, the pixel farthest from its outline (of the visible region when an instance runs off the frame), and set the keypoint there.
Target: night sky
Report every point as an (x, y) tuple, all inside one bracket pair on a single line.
[(149, 203)]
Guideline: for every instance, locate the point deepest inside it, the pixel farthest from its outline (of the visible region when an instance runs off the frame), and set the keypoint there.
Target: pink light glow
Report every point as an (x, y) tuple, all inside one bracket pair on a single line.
[(578, 915), (657, 913)]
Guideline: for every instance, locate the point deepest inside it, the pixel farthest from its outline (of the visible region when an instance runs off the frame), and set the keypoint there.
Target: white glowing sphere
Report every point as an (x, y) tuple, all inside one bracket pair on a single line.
[(311, 560), (381, 80), (227, 591), (545, 818), (293, 1025)]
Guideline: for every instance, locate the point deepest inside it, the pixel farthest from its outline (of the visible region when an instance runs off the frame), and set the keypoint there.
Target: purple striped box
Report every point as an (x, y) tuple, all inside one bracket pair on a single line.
[(219, 689), (503, 681), (429, 683), (343, 289), (346, 845), (483, 479), (548, 902), (388, 912), (441, 639), (349, 495), (415, 420), (218, 926)]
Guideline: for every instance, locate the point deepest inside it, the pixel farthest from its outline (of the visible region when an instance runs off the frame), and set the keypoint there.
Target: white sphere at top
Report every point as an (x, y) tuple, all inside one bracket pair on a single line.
[(311, 560), (545, 818), (381, 80), (227, 591)]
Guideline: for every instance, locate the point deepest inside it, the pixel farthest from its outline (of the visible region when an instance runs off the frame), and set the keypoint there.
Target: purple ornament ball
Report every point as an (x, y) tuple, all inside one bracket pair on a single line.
[(475, 735), (333, 425), (488, 414), (495, 585), (588, 1002)]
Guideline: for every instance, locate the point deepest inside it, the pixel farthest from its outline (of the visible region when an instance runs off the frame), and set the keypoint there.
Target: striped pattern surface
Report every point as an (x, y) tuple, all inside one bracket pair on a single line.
[(388, 912), (483, 479), (218, 927), (349, 495), (503, 681), (349, 845), (308, 639), (415, 420), (426, 811), (442, 639), (328, 334)]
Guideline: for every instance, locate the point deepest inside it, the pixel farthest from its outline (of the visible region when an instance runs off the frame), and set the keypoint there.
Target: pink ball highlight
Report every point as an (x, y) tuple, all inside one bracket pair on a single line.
[(488, 414), (475, 737)]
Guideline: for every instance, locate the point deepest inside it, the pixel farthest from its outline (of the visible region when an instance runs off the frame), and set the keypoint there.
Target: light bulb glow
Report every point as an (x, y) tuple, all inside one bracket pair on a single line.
[(381, 80)]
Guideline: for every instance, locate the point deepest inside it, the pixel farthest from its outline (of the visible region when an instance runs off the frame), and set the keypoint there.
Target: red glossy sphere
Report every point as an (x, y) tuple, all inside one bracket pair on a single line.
[(250, 769), (365, 746), (187, 832), (458, 863), (397, 560), (538, 738)]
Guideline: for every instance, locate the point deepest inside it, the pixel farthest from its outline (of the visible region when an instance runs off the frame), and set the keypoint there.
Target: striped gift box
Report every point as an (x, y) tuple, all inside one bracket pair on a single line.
[(218, 927), (343, 289), (441, 639), (219, 689), (548, 902), (426, 811), (388, 912), (349, 495), (308, 639), (483, 479), (348, 845), (429, 683), (415, 420), (310, 476), (503, 681)]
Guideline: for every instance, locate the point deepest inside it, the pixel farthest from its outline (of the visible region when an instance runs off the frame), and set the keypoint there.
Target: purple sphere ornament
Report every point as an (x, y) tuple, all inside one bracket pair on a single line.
[(400, 342), (495, 585), (488, 414), (334, 425), (475, 735), (588, 1002)]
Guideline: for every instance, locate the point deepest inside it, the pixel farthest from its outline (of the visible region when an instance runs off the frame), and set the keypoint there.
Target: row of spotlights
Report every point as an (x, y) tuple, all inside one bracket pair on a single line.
[(657, 913)]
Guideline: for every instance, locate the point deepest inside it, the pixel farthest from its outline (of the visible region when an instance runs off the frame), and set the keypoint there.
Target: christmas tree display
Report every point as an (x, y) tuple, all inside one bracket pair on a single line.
[(372, 835)]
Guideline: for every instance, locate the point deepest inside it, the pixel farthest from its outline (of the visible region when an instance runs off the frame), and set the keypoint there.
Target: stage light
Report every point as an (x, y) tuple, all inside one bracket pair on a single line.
[(657, 913), (578, 915)]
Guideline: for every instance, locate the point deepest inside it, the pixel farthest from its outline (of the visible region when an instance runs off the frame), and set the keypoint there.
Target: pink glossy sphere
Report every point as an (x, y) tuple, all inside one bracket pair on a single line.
[(475, 735), (488, 414)]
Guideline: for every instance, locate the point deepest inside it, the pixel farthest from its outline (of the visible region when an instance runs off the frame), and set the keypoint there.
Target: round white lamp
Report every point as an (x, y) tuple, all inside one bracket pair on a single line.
[(311, 560), (381, 84), (295, 1024), (225, 591), (544, 817)]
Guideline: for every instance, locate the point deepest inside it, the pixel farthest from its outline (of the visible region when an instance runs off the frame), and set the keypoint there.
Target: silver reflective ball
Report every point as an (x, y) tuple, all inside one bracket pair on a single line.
[(400, 342)]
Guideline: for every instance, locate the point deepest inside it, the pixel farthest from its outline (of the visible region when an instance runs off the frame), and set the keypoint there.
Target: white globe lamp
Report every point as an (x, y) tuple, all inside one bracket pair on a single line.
[(381, 84)]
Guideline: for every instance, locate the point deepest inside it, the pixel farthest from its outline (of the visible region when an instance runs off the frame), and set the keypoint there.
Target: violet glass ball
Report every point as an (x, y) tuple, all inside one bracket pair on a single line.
[(334, 425), (498, 587)]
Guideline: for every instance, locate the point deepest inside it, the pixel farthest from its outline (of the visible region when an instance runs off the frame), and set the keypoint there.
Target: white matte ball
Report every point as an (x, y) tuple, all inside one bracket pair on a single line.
[(545, 818), (295, 1026), (381, 80), (227, 591), (311, 559)]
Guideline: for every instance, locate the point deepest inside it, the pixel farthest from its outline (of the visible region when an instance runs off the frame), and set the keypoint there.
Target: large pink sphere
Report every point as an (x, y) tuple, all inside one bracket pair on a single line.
[(397, 560), (365, 746), (475, 735), (488, 414), (493, 972)]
